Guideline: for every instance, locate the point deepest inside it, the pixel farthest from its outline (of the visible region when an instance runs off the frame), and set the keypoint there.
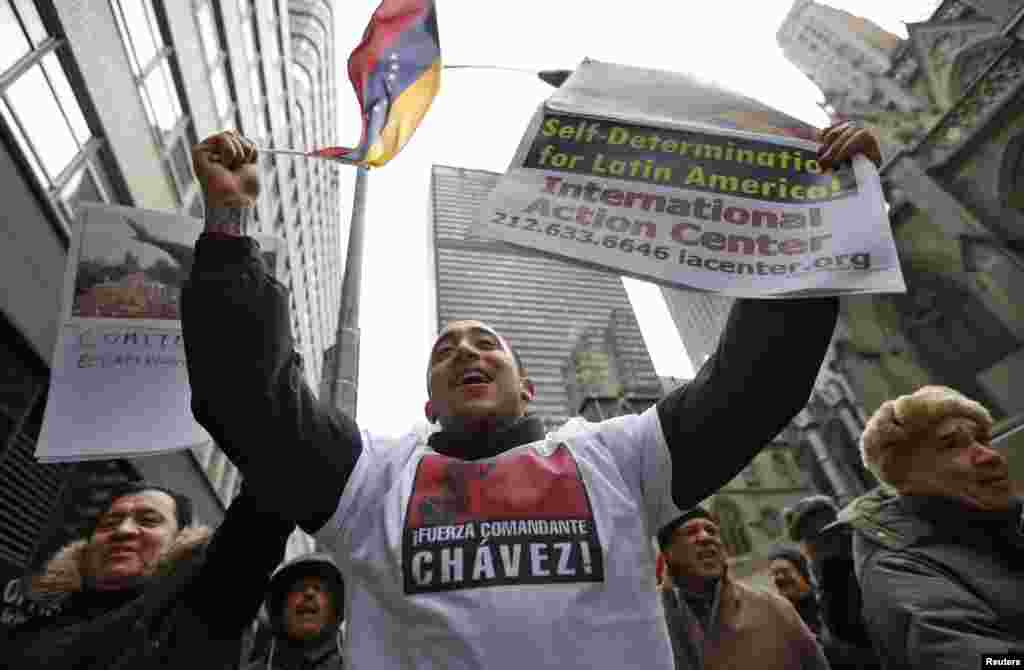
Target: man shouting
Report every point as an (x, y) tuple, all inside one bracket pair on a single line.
[(492, 544)]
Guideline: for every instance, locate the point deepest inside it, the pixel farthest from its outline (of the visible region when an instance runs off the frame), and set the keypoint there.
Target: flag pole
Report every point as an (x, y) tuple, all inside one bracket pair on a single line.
[(288, 152), (305, 154), (344, 368), (345, 375)]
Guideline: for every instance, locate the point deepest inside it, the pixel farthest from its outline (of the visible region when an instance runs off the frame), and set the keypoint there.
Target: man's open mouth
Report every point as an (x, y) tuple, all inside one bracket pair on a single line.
[(473, 376)]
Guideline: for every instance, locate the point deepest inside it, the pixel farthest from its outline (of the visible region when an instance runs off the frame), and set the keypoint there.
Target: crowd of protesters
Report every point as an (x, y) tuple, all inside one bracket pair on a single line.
[(927, 571)]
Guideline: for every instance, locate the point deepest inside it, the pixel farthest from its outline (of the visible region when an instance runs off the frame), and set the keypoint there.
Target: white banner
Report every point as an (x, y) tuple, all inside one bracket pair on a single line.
[(700, 204), (118, 384)]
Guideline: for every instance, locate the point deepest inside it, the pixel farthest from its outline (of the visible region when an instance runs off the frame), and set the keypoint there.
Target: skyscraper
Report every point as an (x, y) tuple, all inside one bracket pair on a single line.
[(102, 101), (544, 306), (861, 69), (843, 54), (700, 319)]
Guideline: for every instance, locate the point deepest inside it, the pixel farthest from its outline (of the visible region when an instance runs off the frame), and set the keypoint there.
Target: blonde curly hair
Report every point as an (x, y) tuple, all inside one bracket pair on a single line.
[(898, 426)]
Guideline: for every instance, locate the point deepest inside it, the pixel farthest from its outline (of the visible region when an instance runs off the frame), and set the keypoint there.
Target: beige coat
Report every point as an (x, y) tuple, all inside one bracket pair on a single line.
[(751, 629)]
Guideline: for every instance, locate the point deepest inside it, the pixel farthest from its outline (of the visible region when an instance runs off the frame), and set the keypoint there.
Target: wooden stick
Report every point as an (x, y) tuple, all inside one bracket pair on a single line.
[(292, 152)]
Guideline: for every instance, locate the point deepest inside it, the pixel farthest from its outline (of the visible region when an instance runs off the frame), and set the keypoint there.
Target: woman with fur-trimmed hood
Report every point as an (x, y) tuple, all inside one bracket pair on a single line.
[(150, 589), (939, 549)]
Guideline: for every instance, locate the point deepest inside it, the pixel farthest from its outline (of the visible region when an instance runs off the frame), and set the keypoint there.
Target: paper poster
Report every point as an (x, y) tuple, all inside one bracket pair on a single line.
[(684, 198), (119, 385)]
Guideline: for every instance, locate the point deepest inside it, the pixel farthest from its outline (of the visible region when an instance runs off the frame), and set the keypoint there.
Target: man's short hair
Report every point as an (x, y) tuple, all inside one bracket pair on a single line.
[(512, 350), (898, 426), (806, 518), (698, 512), (182, 503)]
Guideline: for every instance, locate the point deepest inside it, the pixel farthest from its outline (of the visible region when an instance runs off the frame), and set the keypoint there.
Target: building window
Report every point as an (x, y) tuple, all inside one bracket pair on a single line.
[(733, 527), (152, 61), (43, 115), (300, 137), (261, 133), (786, 471), (209, 22), (752, 475), (1012, 177)]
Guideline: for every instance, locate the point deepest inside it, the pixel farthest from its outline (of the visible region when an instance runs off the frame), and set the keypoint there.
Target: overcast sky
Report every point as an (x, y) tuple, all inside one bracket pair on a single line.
[(479, 117)]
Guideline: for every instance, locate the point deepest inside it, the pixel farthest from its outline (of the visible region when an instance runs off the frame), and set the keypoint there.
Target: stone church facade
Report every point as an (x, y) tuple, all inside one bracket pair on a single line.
[(948, 108)]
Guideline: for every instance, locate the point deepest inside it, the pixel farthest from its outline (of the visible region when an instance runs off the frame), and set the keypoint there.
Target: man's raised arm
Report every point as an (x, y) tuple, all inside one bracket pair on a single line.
[(760, 375), (248, 386)]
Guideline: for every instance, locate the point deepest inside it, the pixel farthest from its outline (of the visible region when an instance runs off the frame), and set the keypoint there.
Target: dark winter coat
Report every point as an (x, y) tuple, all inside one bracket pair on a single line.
[(942, 583), (324, 654), (746, 628), (844, 637), (191, 614)]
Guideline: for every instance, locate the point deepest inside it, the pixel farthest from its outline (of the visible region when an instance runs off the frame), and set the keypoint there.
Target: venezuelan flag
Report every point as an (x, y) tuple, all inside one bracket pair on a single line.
[(396, 73)]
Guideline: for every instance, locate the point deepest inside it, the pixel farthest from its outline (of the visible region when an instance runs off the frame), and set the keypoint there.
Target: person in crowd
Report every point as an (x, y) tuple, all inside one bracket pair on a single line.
[(432, 532), (715, 622), (150, 588), (306, 606), (939, 549), (827, 545), (791, 574), (806, 520), (792, 578)]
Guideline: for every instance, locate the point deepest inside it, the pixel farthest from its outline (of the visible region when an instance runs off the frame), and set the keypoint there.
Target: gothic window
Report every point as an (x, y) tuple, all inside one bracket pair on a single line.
[(953, 330), (845, 447), (752, 475), (733, 526), (812, 470), (1012, 176), (971, 61), (785, 469), (770, 522)]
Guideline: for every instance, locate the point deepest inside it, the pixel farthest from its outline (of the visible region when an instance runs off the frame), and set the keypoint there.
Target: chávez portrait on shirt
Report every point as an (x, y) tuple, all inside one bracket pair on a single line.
[(521, 518)]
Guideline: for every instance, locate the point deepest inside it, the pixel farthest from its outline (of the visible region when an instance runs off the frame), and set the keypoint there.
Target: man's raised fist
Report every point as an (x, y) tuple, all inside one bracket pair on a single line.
[(225, 165)]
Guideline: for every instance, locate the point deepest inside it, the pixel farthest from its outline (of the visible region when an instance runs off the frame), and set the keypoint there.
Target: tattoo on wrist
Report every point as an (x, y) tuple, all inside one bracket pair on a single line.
[(228, 220)]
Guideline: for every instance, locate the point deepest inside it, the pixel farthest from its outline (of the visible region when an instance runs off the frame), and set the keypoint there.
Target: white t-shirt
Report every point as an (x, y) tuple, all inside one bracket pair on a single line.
[(538, 557)]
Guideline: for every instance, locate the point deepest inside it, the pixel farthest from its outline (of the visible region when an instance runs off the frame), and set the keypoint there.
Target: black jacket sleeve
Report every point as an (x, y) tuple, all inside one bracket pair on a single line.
[(841, 601), (248, 386), (230, 586), (758, 379)]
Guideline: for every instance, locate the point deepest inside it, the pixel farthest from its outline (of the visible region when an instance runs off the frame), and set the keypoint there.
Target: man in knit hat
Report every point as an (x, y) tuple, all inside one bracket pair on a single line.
[(940, 548), (806, 520), (715, 622)]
